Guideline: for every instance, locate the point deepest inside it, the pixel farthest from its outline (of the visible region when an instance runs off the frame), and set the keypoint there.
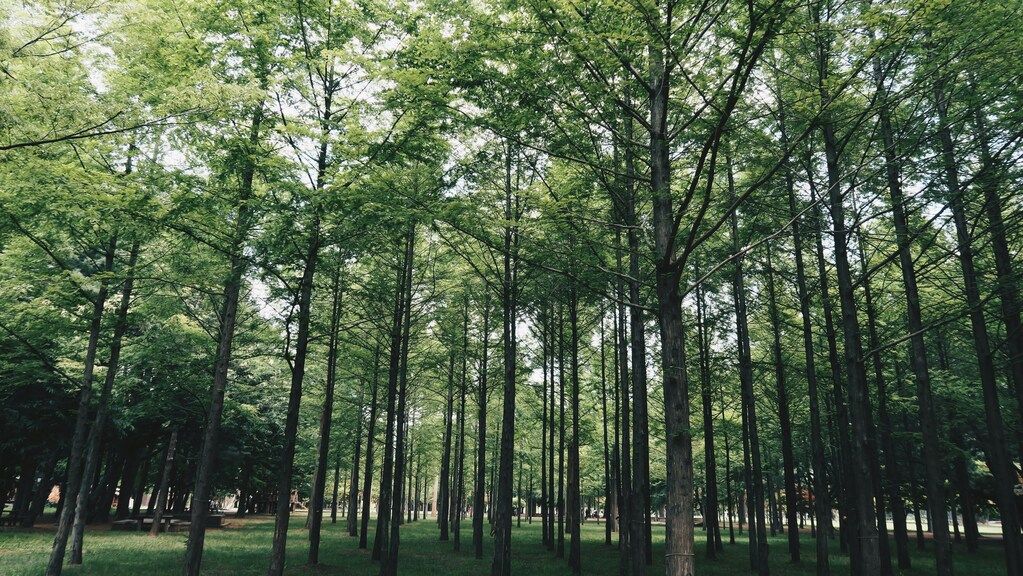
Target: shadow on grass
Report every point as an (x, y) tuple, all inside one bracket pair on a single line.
[(243, 549)]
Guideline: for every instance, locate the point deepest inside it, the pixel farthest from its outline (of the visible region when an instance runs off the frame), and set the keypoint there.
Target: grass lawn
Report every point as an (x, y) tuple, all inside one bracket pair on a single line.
[(243, 548)]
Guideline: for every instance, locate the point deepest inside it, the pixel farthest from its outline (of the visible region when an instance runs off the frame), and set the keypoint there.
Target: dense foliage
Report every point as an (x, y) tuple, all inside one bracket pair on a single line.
[(753, 263)]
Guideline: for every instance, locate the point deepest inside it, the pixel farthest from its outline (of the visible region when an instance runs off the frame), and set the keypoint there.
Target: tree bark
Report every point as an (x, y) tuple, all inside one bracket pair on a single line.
[(326, 419), (387, 471), (75, 465), (710, 516), (367, 485), (509, 299), (574, 496), (389, 564), (238, 264), (456, 514), (164, 487), (481, 440), (444, 496), (283, 515)]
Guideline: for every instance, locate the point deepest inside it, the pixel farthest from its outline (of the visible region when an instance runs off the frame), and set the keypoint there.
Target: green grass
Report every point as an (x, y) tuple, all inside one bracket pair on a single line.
[(243, 549)]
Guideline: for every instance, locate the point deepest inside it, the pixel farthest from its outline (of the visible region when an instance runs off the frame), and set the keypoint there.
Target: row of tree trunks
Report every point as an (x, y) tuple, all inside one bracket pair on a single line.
[(710, 514), (751, 438), (822, 503), (93, 455), (639, 498), (866, 546), (995, 445)]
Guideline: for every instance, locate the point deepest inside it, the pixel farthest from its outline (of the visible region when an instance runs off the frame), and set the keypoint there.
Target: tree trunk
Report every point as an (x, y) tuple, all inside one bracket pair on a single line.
[(622, 386), (784, 419), (353, 483), (75, 464), (1007, 285), (140, 484), (238, 264), (42, 491), (481, 440), (518, 496), (283, 515), (509, 298), (574, 496), (354, 510), (609, 488), (93, 453), (326, 419), (679, 546), (128, 474), (544, 426), (367, 485), (444, 497), (387, 471), (459, 498), (642, 554), (164, 487), (728, 478), (710, 516), (389, 564), (559, 549)]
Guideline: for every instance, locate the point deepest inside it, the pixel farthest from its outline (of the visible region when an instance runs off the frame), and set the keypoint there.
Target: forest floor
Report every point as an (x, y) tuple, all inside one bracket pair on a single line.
[(243, 549)]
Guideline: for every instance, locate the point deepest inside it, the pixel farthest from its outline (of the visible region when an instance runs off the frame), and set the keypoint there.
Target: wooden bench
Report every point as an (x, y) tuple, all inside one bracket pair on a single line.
[(146, 524), (125, 525), (178, 526)]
